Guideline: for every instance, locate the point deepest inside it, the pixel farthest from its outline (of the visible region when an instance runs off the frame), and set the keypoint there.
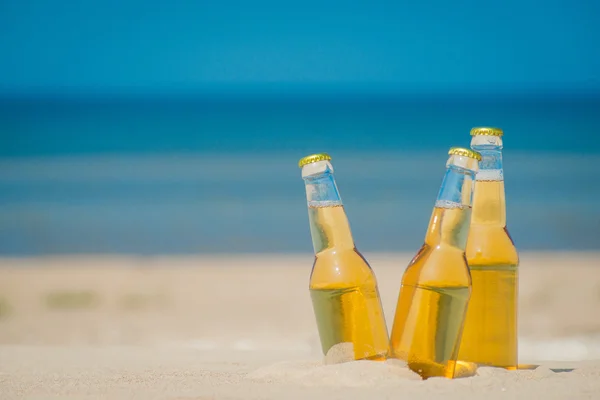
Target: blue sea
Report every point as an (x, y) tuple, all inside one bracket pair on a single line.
[(220, 175)]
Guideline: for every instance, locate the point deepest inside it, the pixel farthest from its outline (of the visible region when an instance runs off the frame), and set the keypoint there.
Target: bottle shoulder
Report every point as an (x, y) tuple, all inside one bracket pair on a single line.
[(438, 266), (341, 268), (491, 245)]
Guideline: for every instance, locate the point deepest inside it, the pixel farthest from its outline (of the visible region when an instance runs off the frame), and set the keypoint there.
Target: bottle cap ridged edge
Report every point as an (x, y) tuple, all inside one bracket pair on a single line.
[(486, 131), (313, 158), (460, 151)]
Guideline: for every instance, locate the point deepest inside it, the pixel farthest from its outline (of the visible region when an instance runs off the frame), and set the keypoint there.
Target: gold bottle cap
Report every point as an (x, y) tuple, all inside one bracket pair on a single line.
[(486, 131), (313, 158), (459, 151)]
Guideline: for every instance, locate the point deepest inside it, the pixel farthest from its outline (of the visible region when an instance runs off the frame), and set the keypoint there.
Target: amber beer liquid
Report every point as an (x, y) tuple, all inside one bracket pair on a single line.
[(436, 285), (343, 288), (490, 333)]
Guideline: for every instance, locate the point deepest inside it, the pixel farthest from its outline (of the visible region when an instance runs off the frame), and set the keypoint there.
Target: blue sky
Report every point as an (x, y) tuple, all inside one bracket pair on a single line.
[(136, 46)]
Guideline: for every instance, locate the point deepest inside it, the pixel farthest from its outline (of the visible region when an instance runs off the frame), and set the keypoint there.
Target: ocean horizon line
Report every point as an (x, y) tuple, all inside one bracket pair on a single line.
[(295, 91), (193, 156)]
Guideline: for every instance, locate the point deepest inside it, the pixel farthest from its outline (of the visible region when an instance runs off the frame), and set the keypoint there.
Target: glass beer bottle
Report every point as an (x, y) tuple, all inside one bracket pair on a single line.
[(490, 332), (436, 285), (343, 288)]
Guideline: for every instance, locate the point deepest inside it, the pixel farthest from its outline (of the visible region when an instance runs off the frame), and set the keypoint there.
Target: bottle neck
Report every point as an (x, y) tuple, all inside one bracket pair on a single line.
[(456, 190), (489, 203), (451, 217), (329, 226), (321, 190)]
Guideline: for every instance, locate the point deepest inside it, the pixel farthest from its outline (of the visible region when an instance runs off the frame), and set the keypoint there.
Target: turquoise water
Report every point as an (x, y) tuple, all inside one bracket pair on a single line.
[(202, 176)]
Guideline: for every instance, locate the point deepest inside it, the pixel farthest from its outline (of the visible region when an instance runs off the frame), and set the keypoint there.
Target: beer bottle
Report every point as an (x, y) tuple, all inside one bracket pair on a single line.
[(436, 285), (343, 288), (490, 332)]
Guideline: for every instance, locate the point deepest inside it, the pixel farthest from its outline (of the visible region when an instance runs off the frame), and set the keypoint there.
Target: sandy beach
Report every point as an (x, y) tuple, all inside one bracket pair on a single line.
[(242, 327)]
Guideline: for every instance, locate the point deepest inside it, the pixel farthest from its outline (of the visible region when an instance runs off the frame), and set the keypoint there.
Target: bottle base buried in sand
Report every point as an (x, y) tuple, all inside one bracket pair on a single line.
[(350, 323), (429, 329), (490, 334), (465, 369)]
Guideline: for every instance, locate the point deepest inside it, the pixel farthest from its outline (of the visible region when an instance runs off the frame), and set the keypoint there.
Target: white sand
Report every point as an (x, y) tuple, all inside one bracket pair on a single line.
[(242, 328)]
